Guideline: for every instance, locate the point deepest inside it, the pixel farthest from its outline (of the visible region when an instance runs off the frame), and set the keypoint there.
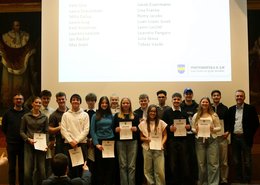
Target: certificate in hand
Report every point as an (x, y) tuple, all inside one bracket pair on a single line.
[(180, 127), (156, 141), (108, 149), (221, 132), (76, 156), (125, 130), (204, 128), (40, 141)]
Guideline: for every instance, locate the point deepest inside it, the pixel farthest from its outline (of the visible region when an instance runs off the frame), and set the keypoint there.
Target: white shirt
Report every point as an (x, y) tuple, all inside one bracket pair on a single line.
[(238, 127), (143, 128), (47, 111), (75, 126), (214, 120)]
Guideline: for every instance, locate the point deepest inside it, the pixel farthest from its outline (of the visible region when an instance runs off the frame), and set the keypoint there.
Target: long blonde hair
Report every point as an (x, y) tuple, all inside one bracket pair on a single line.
[(121, 113), (200, 110)]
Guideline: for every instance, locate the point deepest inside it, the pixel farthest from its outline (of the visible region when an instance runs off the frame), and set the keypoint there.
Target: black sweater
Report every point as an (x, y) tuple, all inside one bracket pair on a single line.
[(168, 116), (11, 125)]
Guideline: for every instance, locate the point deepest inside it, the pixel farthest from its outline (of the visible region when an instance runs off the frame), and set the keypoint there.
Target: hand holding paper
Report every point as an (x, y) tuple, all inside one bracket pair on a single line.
[(99, 147), (76, 156), (40, 141), (31, 141), (204, 128), (125, 130), (156, 141), (73, 144), (134, 129), (108, 149), (180, 125), (172, 128)]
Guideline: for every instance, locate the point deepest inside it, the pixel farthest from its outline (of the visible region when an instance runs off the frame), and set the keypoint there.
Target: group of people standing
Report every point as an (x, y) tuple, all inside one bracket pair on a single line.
[(182, 144)]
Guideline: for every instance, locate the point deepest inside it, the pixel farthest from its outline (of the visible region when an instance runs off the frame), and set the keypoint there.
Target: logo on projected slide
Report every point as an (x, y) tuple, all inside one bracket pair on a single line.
[(181, 68)]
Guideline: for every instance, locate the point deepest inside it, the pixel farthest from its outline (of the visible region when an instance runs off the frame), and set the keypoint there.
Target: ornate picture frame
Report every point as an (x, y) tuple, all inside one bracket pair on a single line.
[(20, 53)]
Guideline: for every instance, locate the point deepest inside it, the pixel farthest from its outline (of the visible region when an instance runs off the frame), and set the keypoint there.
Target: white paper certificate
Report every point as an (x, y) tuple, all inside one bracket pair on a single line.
[(204, 128), (125, 130), (180, 127), (221, 132), (91, 154), (76, 156), (108, 147), (40, 141), (156, 141)]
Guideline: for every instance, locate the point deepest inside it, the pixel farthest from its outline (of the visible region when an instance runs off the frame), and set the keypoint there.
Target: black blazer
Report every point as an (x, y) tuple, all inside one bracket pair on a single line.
[(54, 180), (139, 113), (250, 122)]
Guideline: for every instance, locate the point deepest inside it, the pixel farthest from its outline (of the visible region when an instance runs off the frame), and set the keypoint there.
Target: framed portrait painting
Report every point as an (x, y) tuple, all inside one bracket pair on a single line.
[(20, 53)]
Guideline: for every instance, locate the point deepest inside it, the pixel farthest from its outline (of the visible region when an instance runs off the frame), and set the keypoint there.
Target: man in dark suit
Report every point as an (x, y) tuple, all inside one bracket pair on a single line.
[(243, 120)]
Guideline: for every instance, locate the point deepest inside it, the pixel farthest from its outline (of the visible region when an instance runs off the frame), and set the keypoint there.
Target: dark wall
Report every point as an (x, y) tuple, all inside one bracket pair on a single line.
[(19, 1)]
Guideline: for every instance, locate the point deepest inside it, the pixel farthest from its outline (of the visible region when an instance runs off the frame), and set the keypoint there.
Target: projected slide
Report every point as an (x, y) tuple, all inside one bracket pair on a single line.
[(144, 40)]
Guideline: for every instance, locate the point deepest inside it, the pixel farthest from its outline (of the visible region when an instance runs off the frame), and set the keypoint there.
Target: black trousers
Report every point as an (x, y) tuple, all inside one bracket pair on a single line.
[(177, 161), (105, 169), (14, 152), (77, 170)]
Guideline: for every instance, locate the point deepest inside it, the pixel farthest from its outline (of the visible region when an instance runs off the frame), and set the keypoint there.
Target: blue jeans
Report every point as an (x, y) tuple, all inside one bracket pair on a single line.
[(34, 165), (127, 152), (208, 161), (154, 166), (242, 159)]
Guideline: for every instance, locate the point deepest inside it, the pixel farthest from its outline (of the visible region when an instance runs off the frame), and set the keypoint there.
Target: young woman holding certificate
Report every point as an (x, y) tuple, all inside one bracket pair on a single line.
[(205, 123), (34, 129), (102, 134), (126, 133), (153, 135)]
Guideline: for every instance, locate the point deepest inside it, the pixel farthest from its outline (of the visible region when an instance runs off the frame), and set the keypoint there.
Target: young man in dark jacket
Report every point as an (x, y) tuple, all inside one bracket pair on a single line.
[(59, 165)]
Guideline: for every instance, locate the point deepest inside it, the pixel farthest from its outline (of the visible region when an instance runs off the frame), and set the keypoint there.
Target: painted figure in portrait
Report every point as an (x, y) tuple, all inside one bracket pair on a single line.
[(20, 61)]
